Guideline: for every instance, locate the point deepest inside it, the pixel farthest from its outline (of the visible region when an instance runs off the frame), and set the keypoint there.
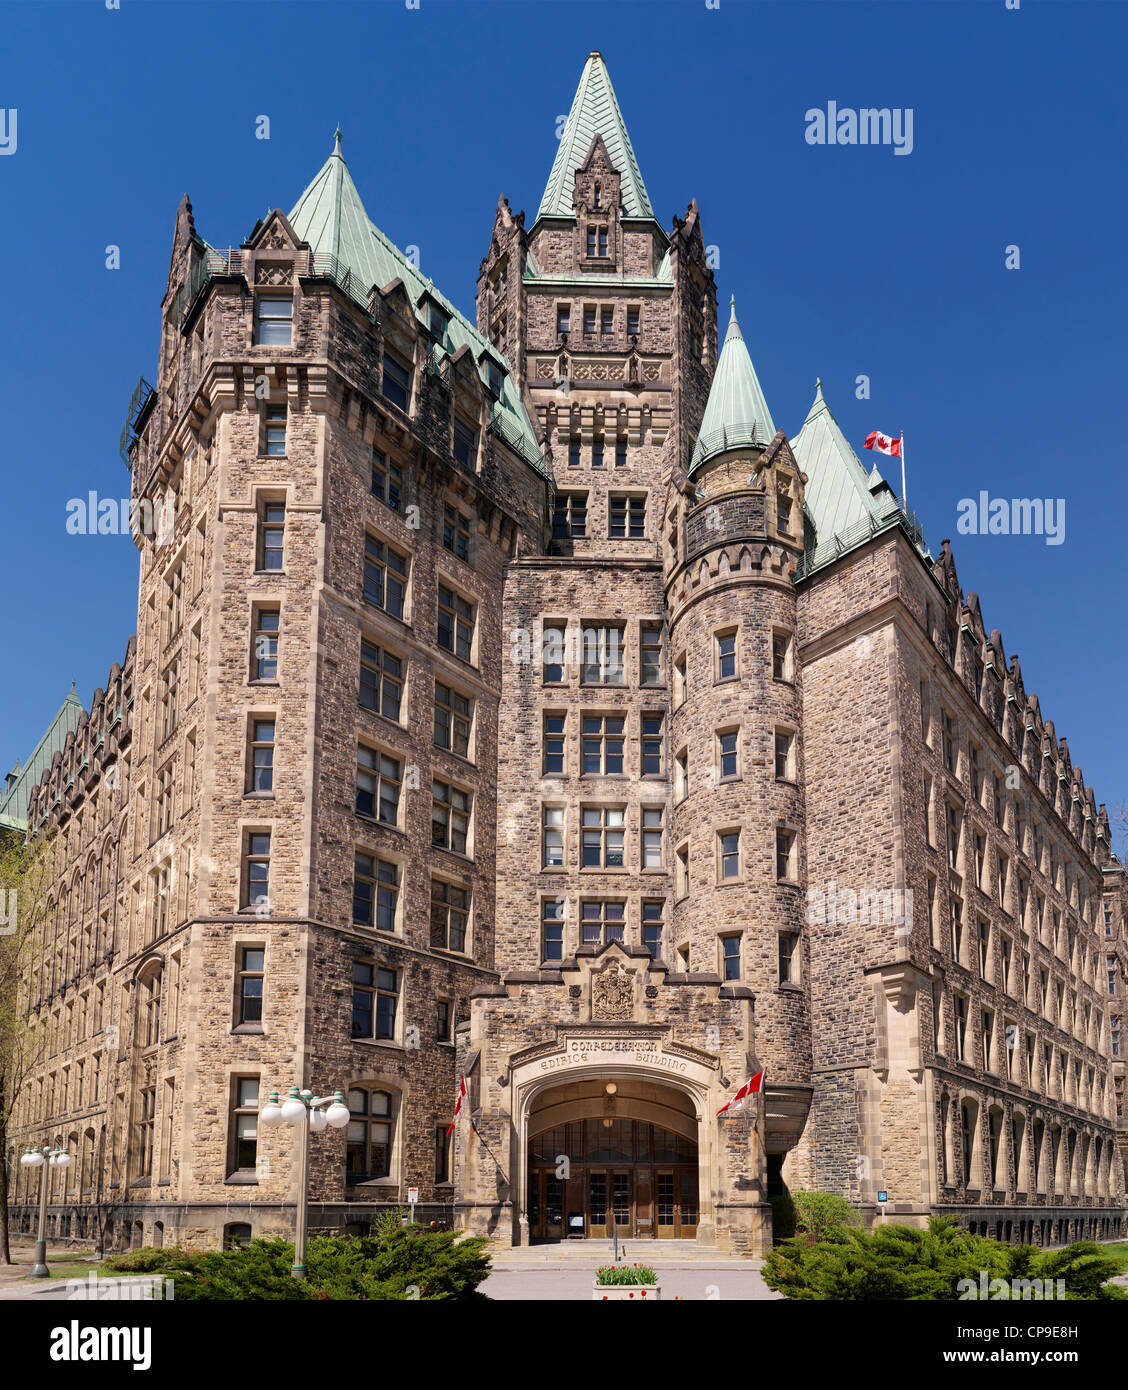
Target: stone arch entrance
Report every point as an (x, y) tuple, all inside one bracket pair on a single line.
[(613, 1152)]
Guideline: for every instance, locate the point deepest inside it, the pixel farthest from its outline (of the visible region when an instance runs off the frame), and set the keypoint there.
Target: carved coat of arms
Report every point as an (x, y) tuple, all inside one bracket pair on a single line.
[(612, 994)]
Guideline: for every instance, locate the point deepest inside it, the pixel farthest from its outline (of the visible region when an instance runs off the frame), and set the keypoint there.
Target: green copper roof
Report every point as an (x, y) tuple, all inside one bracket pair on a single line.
[(736, 412), (594, 112), (838, 490), (13, 803), (331, 217)]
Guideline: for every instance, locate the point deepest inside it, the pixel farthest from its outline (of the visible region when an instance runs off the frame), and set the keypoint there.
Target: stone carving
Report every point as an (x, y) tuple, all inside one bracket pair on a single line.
[(612, 995)]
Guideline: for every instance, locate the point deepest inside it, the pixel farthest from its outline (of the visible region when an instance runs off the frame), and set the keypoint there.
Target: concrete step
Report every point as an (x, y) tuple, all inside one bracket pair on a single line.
[(598, 1252)]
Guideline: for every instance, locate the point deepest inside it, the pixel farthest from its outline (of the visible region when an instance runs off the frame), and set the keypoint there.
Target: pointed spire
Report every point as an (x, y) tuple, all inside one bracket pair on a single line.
[(337, 141), (595, 111), (736, 412)]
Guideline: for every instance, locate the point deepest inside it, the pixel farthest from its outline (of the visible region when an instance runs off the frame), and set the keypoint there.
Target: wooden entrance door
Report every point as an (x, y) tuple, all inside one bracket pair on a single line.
[(610, 1205)]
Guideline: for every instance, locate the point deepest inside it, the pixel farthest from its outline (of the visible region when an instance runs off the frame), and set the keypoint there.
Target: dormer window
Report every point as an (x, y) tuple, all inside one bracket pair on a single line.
[(437, 321), (495, 377), (589, 320), (595, 197), (633, 316), (596, 242), (465, 443)]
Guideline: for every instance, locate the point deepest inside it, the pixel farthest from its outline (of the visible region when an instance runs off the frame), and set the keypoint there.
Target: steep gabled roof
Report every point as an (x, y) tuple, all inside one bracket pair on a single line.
[(14, 803), (595, 111), (838, 491), (736, 412), (331, 217)]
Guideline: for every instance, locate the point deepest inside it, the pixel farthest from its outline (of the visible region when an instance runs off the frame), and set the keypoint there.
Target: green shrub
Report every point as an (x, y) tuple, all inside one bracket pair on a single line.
[(397, 1262), (901, 1262), (818, 1213), (625, 1274), (783, 1217)]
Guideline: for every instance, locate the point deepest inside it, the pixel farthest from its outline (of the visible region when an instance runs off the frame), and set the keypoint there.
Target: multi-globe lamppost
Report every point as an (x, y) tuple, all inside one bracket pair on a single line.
[(44, 1158), (311, 1112)]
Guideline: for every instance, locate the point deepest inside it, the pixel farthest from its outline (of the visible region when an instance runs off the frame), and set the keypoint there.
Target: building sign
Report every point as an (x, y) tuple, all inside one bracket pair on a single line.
[(584, 1052)]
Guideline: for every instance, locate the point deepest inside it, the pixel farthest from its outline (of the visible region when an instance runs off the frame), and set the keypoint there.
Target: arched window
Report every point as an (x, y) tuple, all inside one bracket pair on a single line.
[(969, 1113), (369, 1136), (236, 1234)]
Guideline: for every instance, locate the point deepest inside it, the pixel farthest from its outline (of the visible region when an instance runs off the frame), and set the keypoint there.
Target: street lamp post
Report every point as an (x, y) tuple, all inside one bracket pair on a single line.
[(310, 1112), (44, 1158)]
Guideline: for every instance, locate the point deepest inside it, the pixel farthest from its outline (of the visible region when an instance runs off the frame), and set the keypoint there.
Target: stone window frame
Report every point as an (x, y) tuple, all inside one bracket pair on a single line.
[(729, 630), (394, 1091), (569, 504), (650, 737), (624, 500), (556, 899), (653, 626), (547, 714), (466, 791), (784, 828), (260, 604), (379, 751), (987, 1036), (255, 717), (460, 525), (603, 920), (971, 1152), (721, 854), (794, 978), (392, 859), (469, 924), (787, 666), (791, 776), (264, 499), (453, 687), (682, 881), (603, 715), (248, 830), (375, 961), (725, 959), (645, 809), (406, 576), (556, 827), (719, 755), (376, 640), (680, 668), (603, 628), (652, 921), (233, 1173), (266, 295), (605, 829), (563, 309), (240, 944), (681, 774)]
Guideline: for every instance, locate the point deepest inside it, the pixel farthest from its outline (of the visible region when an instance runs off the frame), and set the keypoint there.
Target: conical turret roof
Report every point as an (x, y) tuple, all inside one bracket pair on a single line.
[(736, 412)]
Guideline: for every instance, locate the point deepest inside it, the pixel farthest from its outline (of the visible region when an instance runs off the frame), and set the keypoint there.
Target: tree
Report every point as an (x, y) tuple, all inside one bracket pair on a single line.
[(26, 870)]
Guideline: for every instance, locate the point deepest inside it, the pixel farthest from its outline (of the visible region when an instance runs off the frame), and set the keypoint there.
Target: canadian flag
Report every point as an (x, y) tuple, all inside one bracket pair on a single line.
[(750, 1087), (458, 1103), (884, 444)]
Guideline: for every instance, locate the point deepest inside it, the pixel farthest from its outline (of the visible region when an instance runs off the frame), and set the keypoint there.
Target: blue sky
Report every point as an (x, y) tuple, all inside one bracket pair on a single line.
[(845, 261)]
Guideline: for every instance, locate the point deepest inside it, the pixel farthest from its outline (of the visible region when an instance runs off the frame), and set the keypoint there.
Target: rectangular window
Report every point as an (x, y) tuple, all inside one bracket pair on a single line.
[(683, 872), (781, 656), (450, 912), (563, 318), (786, 858), (272, 531), (442, 1154), (924, 704), (450, 816), (456, 533), (437, 320), (396, 385), (244, 1124), (252, 963), (170, 690), (628, 517), (959, 1009), (948, 740), (374, 1000), (552, 855), (574, 452), (653, 745), (465, 443), (385, 577), (601, 836), (601, 922), (381, 680), (726, 655), (621, 451), (553, 761), (264, 654), (728, 754), (606, 322), (955, 912), (597, 451), (552, 929), (552, 655), (953, 829), (442, 1020), (589, 315), (256, 870), (784, 756), (378, 782), (274, 321), (375, 892), (569, 516), (387, 480), (603, 738), (652, 928), (260, 773), (650, 655), (603, 655), (455, 623), (652, 818), (728, 855), (633, 314), (730, 957), (274, 431), (453, 715), (788, 958)]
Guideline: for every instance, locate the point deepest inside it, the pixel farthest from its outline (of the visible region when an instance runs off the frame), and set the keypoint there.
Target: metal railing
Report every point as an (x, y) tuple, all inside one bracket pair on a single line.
[(824, 551), (142, 393), (729, 437), (501, 427)]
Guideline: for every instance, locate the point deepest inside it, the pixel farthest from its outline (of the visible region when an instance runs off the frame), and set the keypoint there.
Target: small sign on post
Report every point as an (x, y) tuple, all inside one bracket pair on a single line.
[(882, 1198), (412, 1198)]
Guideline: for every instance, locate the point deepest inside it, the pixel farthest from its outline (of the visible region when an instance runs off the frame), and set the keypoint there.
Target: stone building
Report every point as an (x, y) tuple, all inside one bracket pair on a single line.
[(723, 773)]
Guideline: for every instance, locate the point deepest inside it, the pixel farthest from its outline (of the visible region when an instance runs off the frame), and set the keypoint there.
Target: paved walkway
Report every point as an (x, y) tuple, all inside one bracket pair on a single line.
[(571, 1280)]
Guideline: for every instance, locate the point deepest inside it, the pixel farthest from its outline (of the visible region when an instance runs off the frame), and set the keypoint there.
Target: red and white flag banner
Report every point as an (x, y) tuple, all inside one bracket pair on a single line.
[(458, 1103), (750, 1087), (884, 444)]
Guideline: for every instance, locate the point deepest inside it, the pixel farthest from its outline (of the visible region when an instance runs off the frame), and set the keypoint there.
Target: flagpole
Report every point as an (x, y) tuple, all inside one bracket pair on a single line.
[(904, 499)]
